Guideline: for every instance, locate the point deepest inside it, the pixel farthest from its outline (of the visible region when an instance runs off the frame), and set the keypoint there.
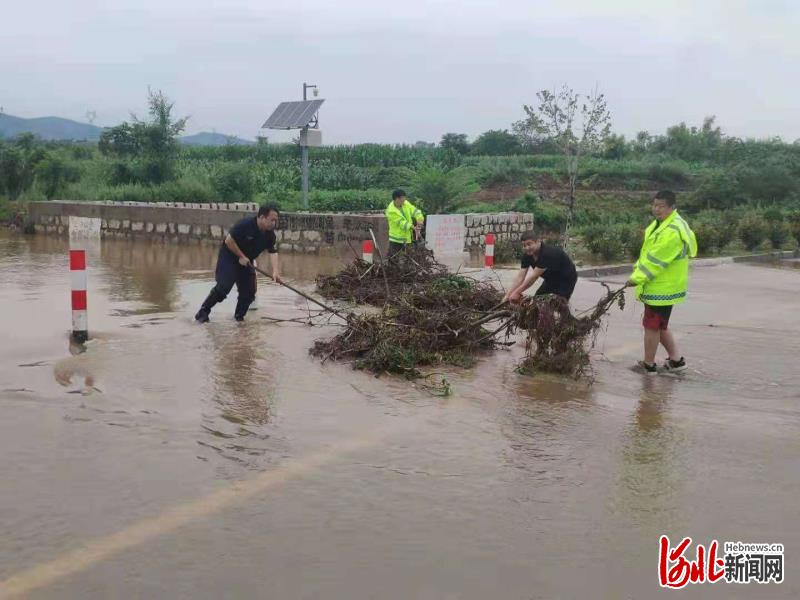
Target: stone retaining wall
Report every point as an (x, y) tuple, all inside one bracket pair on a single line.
[(504, 226), (297, 232), (201, 223)]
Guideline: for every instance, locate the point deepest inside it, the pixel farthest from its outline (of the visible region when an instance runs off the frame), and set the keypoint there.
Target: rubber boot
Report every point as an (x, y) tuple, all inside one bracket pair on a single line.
[(212, 299)]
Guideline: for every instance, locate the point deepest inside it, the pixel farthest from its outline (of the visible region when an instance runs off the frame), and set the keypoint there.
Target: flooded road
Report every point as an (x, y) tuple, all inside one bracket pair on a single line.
[(174, 460)]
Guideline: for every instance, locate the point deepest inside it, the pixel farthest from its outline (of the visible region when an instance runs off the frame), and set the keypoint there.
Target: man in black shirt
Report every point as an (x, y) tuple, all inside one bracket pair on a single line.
[(244, 242), (550, 263)]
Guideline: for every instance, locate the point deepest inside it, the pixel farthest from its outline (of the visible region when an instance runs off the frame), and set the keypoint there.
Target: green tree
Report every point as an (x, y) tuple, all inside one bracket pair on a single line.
[(577, 125), (120, 141), (18, 161), (455, 141), (496, 142), (53, 174), (691, 143), (615, 147), (152, 143)]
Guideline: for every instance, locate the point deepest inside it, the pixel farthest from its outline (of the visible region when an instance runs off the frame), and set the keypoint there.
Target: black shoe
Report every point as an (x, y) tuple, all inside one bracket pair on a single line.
[(238, 318), (201, 316), (648, 369), (675, 366)]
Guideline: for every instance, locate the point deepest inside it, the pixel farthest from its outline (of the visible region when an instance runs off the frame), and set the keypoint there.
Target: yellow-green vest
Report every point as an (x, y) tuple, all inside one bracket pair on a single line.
[(662, 272), (401, 222)]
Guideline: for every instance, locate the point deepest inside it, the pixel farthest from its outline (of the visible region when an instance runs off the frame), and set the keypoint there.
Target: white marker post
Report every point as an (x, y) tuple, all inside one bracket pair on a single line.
[(367, 248), (80, 321), (488, 261), (83, 232)]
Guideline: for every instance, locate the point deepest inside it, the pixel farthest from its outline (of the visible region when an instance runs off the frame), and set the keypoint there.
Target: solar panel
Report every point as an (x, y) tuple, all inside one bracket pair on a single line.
[(293, 115)]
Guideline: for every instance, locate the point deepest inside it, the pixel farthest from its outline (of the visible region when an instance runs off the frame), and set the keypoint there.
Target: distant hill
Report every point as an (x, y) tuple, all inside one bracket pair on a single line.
[(56, 128), (48, 128), (206, 138)]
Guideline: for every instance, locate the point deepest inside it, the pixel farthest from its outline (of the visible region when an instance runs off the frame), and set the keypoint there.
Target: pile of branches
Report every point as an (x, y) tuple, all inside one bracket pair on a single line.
[(402, 338), (381, 282), (556, 339), (431, 317)]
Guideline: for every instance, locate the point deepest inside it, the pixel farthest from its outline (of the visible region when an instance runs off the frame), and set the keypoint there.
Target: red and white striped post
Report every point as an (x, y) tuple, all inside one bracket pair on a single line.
[(77, 269), (367, 248), (489, 257)]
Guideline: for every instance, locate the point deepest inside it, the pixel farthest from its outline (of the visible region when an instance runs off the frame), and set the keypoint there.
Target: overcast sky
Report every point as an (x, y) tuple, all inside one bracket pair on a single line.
[(405, 70)]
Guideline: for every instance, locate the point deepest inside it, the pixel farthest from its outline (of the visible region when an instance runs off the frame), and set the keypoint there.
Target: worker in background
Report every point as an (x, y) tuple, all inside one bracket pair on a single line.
[(246, 240), (661, 278), (550, 263), (405, 222)]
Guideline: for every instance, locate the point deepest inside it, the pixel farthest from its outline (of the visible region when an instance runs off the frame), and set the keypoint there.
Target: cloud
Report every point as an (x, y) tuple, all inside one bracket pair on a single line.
[(411, 71)]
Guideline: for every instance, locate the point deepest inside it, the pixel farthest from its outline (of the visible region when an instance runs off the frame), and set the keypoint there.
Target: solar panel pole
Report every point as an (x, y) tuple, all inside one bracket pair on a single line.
[(304, 150), (304, 147)]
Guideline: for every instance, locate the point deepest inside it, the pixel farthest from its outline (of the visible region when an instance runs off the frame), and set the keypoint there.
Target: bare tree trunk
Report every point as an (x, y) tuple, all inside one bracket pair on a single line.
[(572, 171)]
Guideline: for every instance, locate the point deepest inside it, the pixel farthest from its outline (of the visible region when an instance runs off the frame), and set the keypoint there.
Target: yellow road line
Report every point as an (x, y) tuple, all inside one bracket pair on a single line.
[(147, 529)]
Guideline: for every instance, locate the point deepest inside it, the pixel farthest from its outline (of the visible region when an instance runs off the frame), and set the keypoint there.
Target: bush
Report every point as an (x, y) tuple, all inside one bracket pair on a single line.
[(82, 152), (717, 191), (614, 241), (392, 177), (546, 216), (53, 174), (348, 200), (507, 251), (122, 173), (714, 230), (437, 189), (502, 172), (631, 236), (773, 215), (794, 225), (753, 230), (779, 234), (709, 237), (5, 210), (184, 190), (770, 181), (233, 182), (603, 241)]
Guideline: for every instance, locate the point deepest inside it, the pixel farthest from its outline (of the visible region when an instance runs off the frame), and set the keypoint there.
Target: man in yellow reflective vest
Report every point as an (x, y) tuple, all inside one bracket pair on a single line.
[(405, 222), (661, 278)]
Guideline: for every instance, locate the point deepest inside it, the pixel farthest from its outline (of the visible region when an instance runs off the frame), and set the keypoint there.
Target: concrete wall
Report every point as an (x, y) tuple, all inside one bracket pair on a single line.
[(298, 232)]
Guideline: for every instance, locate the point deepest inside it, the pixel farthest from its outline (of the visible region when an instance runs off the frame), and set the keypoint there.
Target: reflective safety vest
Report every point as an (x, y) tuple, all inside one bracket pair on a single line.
[(661, 274), (401, 221)]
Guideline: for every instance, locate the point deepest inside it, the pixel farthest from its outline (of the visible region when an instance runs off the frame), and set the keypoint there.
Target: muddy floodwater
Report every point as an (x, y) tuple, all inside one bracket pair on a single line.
[(178, 460)]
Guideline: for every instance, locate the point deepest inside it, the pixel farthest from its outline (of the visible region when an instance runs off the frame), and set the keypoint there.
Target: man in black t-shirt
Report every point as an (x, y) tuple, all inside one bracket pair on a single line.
[(550, 263), (244, 242)]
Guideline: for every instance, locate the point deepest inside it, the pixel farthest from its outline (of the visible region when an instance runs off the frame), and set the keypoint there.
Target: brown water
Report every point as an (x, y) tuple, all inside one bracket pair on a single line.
[(174, 460)]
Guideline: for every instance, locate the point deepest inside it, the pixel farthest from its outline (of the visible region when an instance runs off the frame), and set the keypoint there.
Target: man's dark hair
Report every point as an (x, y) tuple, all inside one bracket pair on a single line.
[(398, 194), (265, 209), (531, 234), (667, 196)]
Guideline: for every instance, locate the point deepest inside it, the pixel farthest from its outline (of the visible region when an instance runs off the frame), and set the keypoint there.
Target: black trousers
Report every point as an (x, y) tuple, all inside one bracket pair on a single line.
[(563, 287), (229, 273), (394, 248)]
